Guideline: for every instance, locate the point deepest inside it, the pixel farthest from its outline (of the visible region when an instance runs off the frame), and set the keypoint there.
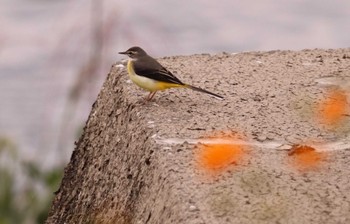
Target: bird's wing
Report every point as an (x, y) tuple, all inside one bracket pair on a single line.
[(154, 70)]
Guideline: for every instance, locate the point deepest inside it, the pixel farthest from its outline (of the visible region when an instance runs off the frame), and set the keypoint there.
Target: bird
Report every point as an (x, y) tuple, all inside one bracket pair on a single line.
[(147, 73)]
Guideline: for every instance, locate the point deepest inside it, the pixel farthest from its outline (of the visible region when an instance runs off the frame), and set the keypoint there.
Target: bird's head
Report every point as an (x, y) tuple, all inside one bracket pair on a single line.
[(134, 52)]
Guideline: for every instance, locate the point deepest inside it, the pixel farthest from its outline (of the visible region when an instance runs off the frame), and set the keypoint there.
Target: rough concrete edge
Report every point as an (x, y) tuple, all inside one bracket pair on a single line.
[(70, 205), (61, 211)]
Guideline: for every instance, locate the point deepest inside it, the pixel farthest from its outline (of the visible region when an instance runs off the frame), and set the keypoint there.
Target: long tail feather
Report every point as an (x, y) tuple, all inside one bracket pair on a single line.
[(205, 91)]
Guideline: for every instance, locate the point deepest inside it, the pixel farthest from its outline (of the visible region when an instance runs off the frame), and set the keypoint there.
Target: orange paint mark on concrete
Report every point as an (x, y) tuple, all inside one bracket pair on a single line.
[(306, 157), (218, 157), (333, 109)]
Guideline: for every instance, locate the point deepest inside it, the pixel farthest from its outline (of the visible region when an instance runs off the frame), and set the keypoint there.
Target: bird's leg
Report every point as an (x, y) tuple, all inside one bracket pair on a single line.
[(151, 95), (147, 98)]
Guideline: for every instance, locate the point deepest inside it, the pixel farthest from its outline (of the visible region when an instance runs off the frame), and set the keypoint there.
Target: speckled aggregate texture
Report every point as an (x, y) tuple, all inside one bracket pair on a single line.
[(118, 173)]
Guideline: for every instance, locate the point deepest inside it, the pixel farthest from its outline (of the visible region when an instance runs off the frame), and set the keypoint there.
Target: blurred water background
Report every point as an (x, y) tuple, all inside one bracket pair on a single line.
[(54, 55), (45, 45)]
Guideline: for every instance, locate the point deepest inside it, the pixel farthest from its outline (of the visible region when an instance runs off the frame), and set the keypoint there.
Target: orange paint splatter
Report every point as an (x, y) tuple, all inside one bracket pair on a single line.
[(219, 156), (333, 108), (306, 157)]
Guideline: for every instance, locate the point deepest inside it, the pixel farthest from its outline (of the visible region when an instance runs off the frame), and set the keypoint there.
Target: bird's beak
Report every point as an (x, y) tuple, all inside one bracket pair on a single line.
[(123, 52)]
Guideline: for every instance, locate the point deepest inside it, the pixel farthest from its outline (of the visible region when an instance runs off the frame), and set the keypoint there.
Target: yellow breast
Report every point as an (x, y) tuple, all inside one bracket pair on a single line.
[(147, 83)]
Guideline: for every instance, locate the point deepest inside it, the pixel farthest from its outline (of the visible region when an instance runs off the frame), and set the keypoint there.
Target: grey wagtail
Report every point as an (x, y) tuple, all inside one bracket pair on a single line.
[(150, 75)]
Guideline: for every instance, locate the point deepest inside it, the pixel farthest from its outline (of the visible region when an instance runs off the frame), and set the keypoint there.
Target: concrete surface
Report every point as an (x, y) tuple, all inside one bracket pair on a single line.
[(124, 170)]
